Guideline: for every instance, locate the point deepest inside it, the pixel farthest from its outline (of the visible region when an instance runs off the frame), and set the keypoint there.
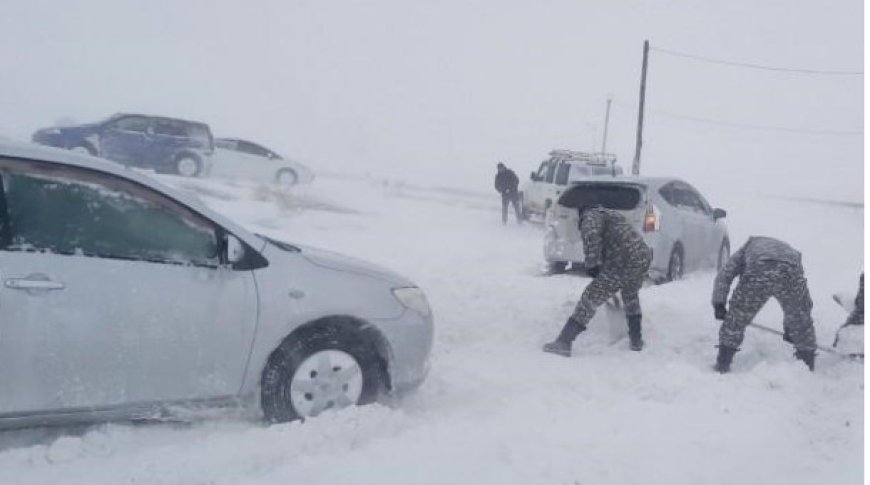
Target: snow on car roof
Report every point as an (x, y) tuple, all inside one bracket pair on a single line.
[(627, 179)]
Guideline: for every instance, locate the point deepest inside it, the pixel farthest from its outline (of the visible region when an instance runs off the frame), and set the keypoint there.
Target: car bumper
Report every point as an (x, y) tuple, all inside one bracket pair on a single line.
[(410, 339)]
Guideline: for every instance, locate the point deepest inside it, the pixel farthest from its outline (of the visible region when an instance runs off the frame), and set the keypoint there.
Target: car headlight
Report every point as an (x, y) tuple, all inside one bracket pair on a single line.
[(414, 299)]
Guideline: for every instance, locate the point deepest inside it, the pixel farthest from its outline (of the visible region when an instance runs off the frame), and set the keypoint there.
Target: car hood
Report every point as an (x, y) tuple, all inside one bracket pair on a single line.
[(347, 264)]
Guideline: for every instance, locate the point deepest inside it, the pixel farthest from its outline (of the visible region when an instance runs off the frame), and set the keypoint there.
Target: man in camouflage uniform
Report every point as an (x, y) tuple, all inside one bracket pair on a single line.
[(767, 268), (618, 259)]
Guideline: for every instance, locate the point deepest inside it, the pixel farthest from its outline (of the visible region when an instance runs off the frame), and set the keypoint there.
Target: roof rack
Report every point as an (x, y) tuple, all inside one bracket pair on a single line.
[(592, 158)]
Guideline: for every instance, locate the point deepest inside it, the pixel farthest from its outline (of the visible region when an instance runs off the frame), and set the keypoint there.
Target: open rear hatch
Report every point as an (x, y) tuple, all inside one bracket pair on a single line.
[(626, 197)]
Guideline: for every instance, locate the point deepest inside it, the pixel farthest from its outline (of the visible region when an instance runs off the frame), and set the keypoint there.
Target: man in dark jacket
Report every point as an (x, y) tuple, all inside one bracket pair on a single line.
[(618, 259), (506, 183), (767, 268)]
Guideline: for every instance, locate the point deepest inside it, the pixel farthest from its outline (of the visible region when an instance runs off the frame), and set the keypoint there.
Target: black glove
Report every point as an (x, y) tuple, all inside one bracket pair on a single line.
[(593, 271), (719, 311)]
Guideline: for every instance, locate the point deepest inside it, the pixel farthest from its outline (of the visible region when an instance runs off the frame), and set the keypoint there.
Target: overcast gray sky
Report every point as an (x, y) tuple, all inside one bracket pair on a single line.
[(441, 91)]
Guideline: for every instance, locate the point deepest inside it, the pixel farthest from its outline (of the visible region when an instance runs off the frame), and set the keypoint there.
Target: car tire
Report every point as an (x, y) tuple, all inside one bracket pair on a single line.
[(188, 166), (286, 177), (321, 369), (676, 263), (83, 149), (724, 254)]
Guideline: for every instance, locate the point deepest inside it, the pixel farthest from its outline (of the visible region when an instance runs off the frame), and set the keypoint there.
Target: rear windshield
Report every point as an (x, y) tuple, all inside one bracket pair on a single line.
[(610, 196)]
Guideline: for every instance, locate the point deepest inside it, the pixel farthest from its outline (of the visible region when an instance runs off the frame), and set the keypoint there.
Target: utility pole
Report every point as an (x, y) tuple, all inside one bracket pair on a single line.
[(606, 121), (635, 167)]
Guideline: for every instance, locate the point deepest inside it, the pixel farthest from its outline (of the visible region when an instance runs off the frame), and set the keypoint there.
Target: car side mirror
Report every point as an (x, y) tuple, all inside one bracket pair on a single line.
[(719, 214), (235, 249), (532, 176)]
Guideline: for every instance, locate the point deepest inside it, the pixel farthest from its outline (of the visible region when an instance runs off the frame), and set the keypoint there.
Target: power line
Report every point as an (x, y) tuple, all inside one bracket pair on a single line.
[(748, 126), (758, 66)]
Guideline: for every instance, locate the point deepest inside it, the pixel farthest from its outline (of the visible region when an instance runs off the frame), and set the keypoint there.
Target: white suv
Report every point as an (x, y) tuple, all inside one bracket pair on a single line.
[(557, 172)]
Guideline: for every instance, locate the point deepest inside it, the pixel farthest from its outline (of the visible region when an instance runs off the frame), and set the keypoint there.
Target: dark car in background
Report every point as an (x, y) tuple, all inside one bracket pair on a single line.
[(166, 145)]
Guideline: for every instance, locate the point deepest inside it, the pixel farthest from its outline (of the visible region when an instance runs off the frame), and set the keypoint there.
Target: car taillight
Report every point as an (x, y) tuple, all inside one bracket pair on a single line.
[(651, 221)]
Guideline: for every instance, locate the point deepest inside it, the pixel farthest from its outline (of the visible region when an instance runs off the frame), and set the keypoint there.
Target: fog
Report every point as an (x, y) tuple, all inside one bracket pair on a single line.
[(438, 92)]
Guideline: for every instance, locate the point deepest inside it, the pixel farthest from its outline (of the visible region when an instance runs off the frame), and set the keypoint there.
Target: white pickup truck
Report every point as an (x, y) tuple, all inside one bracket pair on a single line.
[(555, 174)]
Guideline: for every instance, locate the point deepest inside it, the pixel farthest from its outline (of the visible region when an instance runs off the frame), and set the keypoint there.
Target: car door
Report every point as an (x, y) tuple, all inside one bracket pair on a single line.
[(709, 242), (112, 294), (695, 225), (257, 164), (125, 140), (533, 194), (164, 140), (560, 180)]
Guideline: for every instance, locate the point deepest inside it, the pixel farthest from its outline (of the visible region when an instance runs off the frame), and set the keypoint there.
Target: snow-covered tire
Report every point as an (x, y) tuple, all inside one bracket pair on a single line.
[(723, 255), (320, 369), (286, 177), (676, 263), (188, 166)]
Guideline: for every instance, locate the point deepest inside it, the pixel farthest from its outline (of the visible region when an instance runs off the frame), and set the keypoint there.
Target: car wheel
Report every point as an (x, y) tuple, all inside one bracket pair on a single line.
[(83, 149), (675, 264), (188, 166), (326, 369), (724, 254), (286, 177)]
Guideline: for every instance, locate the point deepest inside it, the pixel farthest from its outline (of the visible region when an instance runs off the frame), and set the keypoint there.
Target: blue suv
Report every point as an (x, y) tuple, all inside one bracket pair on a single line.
[(166, 145)]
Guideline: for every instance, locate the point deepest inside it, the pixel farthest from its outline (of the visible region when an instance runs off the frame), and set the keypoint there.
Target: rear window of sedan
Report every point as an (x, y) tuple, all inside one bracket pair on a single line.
[(608, 195)]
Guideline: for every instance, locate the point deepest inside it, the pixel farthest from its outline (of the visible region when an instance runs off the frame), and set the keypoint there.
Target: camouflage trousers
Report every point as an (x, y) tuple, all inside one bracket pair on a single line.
[(627, 279), (786, 283)]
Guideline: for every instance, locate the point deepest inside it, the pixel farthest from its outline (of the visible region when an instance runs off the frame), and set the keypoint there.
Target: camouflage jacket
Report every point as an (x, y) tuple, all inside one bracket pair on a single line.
[(756, 250), (609, 239), (857, 315)]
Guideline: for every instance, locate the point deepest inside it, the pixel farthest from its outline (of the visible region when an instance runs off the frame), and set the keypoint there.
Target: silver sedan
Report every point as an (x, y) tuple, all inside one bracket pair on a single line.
[(121, 298)]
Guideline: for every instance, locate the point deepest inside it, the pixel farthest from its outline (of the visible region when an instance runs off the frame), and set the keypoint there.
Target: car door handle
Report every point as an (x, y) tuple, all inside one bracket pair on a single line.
[(33, 284)]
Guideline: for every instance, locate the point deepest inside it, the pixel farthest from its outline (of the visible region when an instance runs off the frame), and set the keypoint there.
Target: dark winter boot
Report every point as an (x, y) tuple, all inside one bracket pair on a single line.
[(635, 340), (808, 356), (562, 344), (723, 360)]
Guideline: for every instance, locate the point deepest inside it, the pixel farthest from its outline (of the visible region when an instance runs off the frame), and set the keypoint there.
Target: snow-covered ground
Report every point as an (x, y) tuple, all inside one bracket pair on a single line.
[(495, 409)]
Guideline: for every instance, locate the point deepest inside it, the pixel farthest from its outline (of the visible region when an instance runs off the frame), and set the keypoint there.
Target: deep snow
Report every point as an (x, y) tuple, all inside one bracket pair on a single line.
[(495, 409)]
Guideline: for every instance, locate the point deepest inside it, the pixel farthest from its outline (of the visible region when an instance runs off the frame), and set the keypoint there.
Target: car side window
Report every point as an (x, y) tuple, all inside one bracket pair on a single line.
[(137, 124), (250, 148), (669, 193), (562, 173), (551, 171), (170, 128), (80, 212), (542, 172), (695, 201)]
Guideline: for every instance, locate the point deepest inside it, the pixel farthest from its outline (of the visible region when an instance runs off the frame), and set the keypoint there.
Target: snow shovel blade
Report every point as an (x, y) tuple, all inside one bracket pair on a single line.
[(823, 348)]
